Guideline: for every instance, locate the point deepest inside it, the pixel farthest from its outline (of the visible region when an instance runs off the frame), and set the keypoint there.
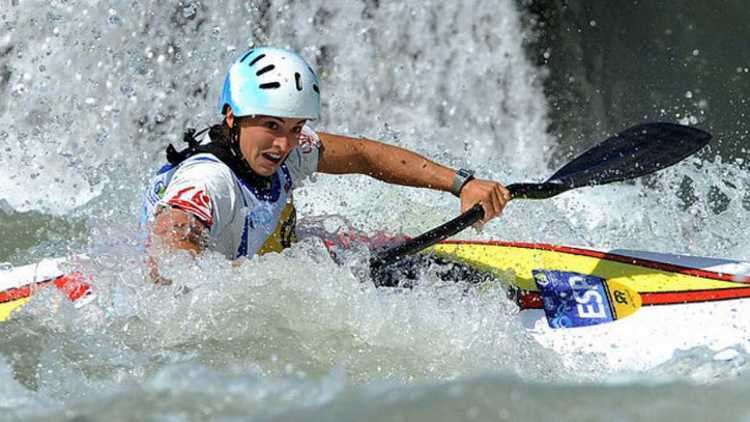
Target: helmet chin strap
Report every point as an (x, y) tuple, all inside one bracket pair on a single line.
[(234, 140), (234, 149), (234, 146)]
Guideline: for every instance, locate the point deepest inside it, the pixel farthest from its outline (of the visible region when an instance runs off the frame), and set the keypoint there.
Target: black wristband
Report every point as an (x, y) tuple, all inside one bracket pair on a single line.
[(462, 177)]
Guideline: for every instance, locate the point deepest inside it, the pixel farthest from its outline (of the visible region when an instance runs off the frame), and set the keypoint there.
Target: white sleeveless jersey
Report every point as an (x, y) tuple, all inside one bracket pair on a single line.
[(240, 217)]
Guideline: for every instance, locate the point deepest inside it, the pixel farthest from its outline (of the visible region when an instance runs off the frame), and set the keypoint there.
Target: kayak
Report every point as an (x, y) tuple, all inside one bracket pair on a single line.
[(633, 310), (17, 284), (627, 310), (602, 286)]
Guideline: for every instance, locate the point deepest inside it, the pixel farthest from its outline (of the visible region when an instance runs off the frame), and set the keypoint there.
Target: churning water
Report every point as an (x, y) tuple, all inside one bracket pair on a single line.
[(92, 91)]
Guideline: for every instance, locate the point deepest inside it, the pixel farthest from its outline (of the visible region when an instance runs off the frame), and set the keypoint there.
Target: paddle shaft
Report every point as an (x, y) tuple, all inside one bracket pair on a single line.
[(429, 238), (458, 224)]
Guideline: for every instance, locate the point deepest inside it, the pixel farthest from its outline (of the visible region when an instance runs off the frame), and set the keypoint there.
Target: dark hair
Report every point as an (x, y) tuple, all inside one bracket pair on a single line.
[(221, 133)]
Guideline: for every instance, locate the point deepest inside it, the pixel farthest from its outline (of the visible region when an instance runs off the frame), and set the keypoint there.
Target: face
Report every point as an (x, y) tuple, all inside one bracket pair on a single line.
[(265, 141)]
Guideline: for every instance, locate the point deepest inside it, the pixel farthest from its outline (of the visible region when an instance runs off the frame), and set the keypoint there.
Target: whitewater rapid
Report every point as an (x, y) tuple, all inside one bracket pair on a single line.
[(92, 92)]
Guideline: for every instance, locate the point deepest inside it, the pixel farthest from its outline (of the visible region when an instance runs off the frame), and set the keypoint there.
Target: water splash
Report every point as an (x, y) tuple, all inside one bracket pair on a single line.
[(103, 88)]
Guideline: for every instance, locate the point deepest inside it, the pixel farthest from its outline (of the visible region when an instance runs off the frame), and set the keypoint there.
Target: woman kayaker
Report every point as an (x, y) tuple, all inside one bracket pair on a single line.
[(230, 190)]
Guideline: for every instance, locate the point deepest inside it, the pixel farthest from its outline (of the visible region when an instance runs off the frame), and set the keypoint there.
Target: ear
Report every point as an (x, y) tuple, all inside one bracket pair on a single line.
[(229, 117)]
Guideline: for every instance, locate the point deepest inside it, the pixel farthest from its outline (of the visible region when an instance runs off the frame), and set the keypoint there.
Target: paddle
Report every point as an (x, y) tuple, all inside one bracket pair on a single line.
[(634, 152)]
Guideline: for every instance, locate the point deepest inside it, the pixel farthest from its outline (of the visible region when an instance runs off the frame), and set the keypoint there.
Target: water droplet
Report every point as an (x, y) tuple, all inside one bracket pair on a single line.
[(18, 90), (189, 11), (126, 90)]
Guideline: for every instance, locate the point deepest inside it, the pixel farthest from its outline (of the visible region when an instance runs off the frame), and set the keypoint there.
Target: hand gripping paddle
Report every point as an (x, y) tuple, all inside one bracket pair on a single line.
[(632, 153)]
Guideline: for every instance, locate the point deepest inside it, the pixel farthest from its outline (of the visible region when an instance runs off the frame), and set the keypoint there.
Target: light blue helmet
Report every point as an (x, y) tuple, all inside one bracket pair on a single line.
[(272, 82)]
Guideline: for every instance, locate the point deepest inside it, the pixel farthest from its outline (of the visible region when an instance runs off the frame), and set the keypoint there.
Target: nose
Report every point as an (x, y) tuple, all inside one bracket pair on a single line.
[(285, 143)]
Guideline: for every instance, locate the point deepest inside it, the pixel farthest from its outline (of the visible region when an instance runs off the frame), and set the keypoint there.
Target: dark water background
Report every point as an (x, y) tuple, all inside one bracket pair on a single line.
[(614, 63)]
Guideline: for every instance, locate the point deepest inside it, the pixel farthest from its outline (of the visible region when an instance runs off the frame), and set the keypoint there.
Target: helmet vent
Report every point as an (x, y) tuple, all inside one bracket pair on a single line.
[(316, 89), (269, 85), (266, 69), (245, 56), (298, 81), (255, 60)]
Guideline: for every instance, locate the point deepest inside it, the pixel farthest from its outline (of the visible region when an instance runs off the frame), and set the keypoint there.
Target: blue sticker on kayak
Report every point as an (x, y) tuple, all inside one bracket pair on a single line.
[(572, 299)]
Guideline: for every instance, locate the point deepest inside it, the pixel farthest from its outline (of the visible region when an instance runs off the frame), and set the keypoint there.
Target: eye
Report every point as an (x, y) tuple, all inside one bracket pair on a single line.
[(297, 129), (272, 125)]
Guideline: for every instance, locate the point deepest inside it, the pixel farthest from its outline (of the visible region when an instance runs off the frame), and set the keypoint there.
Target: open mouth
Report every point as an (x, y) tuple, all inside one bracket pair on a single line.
[(274, 158)]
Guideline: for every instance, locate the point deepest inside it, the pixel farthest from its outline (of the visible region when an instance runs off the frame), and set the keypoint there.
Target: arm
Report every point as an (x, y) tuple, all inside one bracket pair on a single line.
[(175, 229), (178, 229), (391, 164), (187, 209)]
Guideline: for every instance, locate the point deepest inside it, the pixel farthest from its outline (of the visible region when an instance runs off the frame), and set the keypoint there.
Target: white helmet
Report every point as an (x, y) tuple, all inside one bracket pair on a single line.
[(272, 82)]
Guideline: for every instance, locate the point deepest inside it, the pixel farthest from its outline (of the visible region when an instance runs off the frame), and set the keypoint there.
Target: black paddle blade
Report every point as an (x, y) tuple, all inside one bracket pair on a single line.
[(634, 152)]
